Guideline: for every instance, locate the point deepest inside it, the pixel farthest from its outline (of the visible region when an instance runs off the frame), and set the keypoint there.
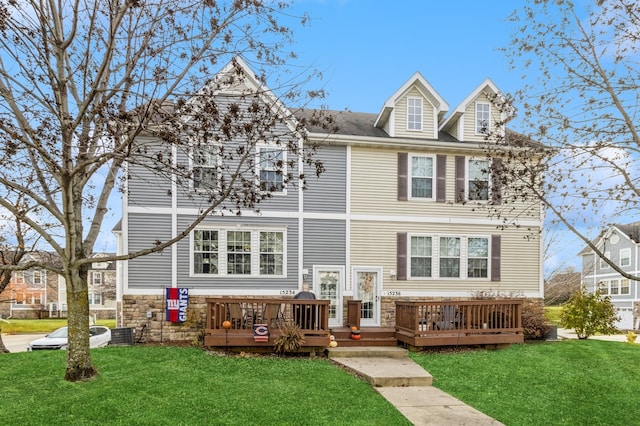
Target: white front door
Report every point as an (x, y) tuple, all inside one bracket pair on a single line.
[(367, 288), (328, 282)]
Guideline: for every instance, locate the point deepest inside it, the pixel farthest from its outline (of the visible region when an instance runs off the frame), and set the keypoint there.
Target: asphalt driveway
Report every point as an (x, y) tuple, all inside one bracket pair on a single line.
[(18, 342)]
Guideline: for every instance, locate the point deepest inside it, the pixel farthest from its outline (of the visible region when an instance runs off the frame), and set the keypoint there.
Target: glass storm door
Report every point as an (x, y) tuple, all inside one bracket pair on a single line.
[(328, 284), (367, 289)]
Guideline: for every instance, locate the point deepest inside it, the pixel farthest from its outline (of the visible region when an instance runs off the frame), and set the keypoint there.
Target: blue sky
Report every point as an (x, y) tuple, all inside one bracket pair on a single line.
[(368, 49)]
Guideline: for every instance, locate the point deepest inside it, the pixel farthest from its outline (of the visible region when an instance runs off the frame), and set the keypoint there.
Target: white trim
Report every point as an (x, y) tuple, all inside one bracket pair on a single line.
[(338, 321), (421, 123), (468, 178), (628, 251), (346, 216), (434, 176), (348, 287), (301, 218), (475, 121), (435, 256), (254, 231), (378, 296), (174, 220), (258, 168)]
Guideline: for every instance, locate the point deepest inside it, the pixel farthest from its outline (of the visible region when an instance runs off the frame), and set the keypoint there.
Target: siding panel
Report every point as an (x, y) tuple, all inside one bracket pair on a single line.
[(324, 242), (153, 270), (328, 193)]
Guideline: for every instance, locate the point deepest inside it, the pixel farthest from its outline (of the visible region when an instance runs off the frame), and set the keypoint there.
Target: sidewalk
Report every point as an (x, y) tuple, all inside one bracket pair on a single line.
[(564, 333), (407, 386)]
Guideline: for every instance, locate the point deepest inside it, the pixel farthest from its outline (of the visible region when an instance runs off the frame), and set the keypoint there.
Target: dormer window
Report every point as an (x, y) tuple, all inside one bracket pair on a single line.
[(414, 114), (483, 124)]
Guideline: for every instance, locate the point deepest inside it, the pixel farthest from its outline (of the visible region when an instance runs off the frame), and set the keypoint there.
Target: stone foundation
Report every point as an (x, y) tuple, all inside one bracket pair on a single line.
[(156, 329)]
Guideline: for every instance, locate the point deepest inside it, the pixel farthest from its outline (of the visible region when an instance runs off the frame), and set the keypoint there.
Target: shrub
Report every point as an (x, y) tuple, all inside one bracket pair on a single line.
[(533, 321), (290, 339), (589, 313)]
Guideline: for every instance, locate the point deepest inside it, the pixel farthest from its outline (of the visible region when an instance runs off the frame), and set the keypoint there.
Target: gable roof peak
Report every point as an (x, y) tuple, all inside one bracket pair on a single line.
[(460, 109), (417, 79)]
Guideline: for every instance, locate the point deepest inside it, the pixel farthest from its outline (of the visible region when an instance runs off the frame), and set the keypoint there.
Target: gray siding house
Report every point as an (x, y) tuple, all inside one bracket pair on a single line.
[(340, 234), (620, 244)]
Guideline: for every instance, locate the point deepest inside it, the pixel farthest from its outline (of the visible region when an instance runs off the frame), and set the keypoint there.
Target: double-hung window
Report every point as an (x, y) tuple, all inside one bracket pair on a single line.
[(421, 256), (478, 258), (603, 262), (96, 278), (449, 257), (625, 257), (271, 169), (414, 114), (242, 252), (624, 286), (271, 253), (205, 167), (205, 251), (422, 176), (95, 298), (483, 111), (238, 252), (478, 183)]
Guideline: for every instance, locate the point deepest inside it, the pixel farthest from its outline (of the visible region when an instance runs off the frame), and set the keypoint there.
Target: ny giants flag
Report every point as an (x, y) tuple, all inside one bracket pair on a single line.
[(177, 302)]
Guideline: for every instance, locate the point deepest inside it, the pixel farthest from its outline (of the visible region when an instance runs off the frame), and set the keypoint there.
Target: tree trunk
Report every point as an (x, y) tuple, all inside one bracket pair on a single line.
[(79, 365), (3, 348)]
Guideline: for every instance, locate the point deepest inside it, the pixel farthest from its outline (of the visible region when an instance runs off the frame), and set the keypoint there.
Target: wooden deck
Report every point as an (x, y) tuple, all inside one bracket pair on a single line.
[(418, 324), (312, 316), (468, 322)]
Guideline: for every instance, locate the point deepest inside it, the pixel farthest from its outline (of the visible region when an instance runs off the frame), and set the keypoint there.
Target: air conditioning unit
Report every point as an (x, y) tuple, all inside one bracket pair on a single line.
[(122, 336)]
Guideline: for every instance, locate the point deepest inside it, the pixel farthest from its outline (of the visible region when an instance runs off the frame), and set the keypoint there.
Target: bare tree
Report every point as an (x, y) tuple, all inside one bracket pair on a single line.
[(88, 87), (581, 98)]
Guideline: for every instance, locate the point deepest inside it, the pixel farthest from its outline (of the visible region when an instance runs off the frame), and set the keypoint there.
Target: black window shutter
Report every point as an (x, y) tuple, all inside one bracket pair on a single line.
[(403, 169), (401, 258), (441, 179), (495, 257), (460, 178), (496, 184)]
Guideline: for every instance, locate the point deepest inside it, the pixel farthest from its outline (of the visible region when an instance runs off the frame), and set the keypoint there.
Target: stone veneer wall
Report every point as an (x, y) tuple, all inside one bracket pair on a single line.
[(135, 308), (636, 314), (134, 315)]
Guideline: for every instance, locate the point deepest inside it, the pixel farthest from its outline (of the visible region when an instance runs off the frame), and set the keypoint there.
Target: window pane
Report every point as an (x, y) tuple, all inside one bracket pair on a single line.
[(479, 172), (205, 252), (271, 253), (421, 248), (482, 118), (449, 268), (449, 257), (204, 167), (239, 252), (271, 169), (478, 247), (421, 177), (414, 114)]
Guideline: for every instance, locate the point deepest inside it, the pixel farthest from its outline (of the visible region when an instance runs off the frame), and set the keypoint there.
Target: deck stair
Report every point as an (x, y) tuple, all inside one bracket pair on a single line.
[(381, 366), (369, 336)]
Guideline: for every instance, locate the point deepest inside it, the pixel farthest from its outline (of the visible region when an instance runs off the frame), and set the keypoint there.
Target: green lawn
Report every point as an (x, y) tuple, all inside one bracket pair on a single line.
[(15, 326), (156, 385), (555, 383), (552, 314), (571, 382)]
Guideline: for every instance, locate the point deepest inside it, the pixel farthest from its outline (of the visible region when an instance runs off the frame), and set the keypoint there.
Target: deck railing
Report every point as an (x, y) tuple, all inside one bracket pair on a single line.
[(312, 316), (432, 323)]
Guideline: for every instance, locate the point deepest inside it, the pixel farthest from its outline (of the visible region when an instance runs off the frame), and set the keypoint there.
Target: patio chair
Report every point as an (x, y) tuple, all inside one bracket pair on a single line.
[(448, 319), (272, 315), (235, 314)]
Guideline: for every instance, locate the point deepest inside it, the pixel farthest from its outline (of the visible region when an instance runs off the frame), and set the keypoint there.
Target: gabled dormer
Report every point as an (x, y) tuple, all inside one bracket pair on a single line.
[(413, 111), (476, 115)]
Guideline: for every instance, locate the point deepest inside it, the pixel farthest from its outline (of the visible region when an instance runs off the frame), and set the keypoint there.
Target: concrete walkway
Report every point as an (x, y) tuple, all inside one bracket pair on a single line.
[(407, 386)]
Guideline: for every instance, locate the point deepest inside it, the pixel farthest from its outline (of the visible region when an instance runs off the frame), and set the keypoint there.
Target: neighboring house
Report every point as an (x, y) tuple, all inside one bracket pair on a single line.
[(395, 217), (620, 244), (39, 293)]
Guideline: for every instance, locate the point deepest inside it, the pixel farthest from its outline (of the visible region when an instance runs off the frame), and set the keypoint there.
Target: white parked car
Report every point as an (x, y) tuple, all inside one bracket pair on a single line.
[(98, 336)]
